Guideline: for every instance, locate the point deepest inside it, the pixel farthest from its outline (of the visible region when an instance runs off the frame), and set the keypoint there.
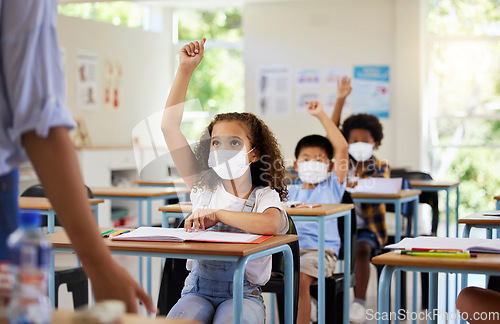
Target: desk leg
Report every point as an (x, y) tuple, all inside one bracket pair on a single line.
[(51, 218), (288, 256), (384, 292), (466, 232), (52, 274), (321, 270), (148, 220), (489, 233), (498, 204), (415, 234), (463, 284), (139, 223), (347, 264), (447, 213), (397, 238), (433, 293)]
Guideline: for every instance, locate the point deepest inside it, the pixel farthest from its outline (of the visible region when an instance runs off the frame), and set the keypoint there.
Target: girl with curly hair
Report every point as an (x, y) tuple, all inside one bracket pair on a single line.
[(237, 179)]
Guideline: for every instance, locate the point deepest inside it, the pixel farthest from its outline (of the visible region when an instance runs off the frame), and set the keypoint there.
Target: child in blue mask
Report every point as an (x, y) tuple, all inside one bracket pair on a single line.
[(323, 181), (364, 134), (237, 161)]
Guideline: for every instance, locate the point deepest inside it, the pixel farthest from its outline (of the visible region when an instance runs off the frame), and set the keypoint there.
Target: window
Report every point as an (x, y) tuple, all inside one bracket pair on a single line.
[(218, 81), (463, 91)]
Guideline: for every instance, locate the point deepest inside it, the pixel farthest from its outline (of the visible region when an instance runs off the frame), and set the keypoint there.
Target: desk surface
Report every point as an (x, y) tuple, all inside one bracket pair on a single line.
[(160, 183), (44, 203), (480, 219), (401, 194), (63, 317), (60, 240), (433, 184), (484, 261), (323, 210), (135, 191)]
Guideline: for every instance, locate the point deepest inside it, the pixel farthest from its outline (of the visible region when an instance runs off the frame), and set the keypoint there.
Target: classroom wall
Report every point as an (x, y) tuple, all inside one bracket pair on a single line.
[(146, 61), (340, 33)]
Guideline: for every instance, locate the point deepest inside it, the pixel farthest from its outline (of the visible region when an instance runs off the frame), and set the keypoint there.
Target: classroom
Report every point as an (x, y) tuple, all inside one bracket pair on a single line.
[(423, 74)]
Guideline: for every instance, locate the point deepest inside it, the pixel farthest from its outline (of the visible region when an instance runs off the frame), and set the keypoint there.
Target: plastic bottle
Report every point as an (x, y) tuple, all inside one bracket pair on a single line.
[(29, 253)]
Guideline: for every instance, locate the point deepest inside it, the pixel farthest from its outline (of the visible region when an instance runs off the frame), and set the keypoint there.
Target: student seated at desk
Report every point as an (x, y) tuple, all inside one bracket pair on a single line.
[(233, 189), (364, 134), (314, 155), (478, 305)]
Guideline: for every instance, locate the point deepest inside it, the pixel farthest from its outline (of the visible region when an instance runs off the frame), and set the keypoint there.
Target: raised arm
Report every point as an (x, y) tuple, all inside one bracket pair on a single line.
[(190, 56), (340, 146), (343, 90)]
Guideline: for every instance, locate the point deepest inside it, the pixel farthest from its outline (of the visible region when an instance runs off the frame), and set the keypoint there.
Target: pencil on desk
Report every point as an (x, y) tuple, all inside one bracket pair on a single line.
[(459, 255)]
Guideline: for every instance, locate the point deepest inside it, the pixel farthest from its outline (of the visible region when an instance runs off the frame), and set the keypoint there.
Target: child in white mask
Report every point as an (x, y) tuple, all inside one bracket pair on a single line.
[(314, 155), (364, 134), (237, 161)]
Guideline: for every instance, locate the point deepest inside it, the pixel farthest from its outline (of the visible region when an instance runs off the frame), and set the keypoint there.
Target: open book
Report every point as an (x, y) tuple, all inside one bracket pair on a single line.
[(180, 235), (449, 243), (378, 185)]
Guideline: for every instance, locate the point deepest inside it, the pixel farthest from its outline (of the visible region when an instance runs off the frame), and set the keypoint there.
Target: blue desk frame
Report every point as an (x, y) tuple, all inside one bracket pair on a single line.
[(384, 287), (51, 215), (238, 276), (149, 212), (398, 202), (321, 259)]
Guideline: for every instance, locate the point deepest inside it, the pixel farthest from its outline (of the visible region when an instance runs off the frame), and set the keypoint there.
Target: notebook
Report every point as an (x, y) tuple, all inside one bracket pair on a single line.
[(449, 243), (378, 185), (159, 234)]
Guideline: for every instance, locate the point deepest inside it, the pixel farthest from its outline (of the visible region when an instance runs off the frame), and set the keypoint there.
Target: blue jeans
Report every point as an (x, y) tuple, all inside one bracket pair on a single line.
[(210, 301), (8, 208)]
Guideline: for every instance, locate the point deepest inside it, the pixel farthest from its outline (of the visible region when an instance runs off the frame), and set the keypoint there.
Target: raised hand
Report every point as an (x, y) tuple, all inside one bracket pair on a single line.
[(192, 54), (315, 108), (201, 218), (344, 87)]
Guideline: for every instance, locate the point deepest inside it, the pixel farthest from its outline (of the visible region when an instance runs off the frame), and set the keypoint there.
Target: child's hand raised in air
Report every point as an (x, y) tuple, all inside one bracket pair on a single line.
[(315, 108), (192, 53), (201, 218), (344, 87)]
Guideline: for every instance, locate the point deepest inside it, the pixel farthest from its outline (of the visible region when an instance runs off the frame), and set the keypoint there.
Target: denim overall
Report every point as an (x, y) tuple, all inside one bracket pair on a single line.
[(8, 208), (208, 291)]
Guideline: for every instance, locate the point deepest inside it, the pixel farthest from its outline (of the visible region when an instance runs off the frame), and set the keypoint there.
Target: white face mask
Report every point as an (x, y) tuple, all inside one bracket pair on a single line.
[(313, 171), (361, 151), (228, 164)]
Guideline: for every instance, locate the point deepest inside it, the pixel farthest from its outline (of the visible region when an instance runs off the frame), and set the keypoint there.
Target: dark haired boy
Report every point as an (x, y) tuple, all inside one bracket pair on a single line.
[(314, 155), (364, 134)]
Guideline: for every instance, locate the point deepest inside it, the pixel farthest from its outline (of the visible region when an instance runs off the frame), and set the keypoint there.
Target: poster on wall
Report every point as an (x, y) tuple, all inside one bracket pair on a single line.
[(86, 80), (112, 83), (274, 92), (332, 77), (371, 90), (303, 97), (308, 77)]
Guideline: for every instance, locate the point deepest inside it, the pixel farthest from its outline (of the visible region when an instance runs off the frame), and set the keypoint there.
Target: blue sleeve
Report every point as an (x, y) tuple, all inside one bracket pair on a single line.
[(336, 188), (31, 67)]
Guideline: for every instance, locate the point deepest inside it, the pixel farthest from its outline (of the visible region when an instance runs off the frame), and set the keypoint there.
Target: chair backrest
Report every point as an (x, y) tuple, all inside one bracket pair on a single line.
[(347, 199), (37, 191)]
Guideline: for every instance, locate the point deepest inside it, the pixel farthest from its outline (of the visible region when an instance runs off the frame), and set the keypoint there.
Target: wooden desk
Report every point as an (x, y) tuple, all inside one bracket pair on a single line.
[(481, 221), (319, 215), (436, 186), (44, 207), (240, 253), (398, 199), (145, 183), (139, 195), (483, 264), (64, 317)]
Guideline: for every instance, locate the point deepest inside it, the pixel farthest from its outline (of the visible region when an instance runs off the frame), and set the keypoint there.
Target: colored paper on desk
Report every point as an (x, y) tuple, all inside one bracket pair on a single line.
[(379, 185), (160, 234), (448, 243), (308, 206)]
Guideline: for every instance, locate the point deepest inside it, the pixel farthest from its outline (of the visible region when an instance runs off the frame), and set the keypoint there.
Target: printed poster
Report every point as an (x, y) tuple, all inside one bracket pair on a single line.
[(86, 80), (274, 92), (308, 77), (112, 83), (302, 97), (371, 90)]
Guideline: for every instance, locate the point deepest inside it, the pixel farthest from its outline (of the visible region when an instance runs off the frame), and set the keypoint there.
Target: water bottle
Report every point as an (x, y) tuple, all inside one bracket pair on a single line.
[(29, 253)]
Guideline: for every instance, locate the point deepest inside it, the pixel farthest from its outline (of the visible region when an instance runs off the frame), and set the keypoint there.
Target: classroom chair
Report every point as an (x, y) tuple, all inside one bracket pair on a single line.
[(334, 285), (75, 278), (175, 272)]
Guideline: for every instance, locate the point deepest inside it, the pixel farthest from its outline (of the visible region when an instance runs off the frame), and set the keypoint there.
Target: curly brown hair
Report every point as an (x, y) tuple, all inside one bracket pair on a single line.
[(268, 171)]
